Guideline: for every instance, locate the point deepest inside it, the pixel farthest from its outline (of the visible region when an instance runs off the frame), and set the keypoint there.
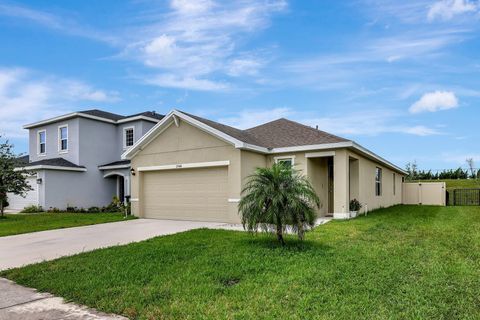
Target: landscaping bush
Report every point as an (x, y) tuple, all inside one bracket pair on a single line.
[(32, 209), (355, 205), (93, 210)]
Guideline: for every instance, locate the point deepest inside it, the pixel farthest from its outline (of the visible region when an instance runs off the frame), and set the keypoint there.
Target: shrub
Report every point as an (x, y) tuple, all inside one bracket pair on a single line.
[(93, 210), (276, 197), (32, 209), (355, 205), (54, 210)]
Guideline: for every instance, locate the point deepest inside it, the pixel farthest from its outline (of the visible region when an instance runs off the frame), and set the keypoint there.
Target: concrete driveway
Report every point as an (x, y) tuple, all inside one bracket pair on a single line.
[(23, 249)]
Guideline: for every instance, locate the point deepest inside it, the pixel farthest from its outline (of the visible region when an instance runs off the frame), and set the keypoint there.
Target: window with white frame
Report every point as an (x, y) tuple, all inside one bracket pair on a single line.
[(378, 181), (42, 142), (63, 138), (128, 137), (288, 161)]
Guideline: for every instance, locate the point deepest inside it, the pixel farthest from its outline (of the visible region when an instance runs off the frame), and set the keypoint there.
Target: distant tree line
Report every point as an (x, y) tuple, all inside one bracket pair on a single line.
[(415, 174)]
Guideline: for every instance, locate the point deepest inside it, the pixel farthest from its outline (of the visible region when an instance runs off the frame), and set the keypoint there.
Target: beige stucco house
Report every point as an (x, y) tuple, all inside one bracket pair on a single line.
[(191, 168)]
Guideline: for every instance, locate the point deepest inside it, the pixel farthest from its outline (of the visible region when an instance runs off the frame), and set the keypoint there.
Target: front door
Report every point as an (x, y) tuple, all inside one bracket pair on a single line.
[(121, 188), (330, 185)]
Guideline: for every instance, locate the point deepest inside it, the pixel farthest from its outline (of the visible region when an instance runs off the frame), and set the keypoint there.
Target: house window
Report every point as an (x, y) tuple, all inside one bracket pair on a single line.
[(128, 137), (42, 142), (378, 182), (63, 138), (394, 184), (288, 161)]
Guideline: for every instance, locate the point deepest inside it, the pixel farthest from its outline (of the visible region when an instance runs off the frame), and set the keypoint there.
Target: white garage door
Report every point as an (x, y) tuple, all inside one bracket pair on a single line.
[(17, 202), (186, 194)]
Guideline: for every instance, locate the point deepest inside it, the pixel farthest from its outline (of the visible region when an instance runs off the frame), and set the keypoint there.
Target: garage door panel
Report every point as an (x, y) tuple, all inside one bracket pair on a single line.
[(17, 202), (187, 194)]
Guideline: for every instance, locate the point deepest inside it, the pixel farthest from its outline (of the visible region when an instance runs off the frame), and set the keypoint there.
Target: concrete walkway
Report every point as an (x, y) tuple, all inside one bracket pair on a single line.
[(23, 249), (17, 302)]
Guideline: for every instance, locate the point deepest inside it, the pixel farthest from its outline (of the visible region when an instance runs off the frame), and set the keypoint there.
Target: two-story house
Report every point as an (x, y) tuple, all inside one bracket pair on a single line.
[(76, 158)]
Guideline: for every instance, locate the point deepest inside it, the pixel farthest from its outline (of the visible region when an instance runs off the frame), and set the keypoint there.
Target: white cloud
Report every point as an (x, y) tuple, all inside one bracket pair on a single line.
[(447, 9), (435, 101), (191, 7), (199, 40), (54, 22), (244, 66), (419, 131), (368, 123), (172, 81), (26, 97)]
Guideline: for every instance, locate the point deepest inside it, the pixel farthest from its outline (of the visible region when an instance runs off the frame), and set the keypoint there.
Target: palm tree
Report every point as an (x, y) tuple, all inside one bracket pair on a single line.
[(276, 197)]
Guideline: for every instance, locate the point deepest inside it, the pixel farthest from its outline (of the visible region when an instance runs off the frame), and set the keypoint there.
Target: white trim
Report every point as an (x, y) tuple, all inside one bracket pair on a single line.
[(186, 166), (48, 167), (120, 166), (320, 154), (341, 215), (286, 157), (233, 200), (59, 128), (312, 147), (125, 147), (137, 118), (114, 173), (134, 200), (38, 143), (127, 190), (66, 116)]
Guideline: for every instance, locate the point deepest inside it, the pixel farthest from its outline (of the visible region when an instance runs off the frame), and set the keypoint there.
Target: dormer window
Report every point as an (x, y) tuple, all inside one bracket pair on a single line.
[(63, 138), (128, 137), (42, 142)]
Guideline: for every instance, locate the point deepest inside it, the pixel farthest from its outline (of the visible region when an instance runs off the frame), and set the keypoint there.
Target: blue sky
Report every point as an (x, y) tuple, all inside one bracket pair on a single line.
[(401, 78)]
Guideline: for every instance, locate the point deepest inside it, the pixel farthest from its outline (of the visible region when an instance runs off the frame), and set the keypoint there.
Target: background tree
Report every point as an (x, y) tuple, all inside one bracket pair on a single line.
[(11, 181), (412, 170), (471, 167), (276, 197)]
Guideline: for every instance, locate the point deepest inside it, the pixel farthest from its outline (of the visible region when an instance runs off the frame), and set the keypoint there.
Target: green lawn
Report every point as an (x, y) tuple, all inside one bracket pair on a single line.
[(24, 223), (458, 183), (405, 262)]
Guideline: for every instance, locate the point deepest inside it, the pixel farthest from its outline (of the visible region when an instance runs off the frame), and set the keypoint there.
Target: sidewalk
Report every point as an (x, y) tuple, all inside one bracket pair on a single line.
[(17, 302)]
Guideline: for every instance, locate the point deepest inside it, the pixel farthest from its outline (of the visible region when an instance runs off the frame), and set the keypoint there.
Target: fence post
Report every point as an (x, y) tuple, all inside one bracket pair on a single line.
[(454, 197)]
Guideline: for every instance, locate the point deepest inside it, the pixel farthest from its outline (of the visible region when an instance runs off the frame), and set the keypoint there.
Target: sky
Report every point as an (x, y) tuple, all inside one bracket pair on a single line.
[(401, 78)]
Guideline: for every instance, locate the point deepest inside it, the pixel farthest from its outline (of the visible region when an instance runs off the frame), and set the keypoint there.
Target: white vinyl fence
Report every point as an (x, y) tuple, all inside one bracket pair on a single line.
[(427, 193)]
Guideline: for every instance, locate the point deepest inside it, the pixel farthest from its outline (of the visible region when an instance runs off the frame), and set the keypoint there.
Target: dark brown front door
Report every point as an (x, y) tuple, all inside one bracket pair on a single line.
[(330, 185)]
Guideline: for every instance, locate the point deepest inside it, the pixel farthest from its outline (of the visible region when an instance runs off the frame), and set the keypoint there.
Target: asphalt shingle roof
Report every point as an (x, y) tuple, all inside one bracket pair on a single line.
[(286, 133), (58, 162), (238, 134), (116, 163), (103, 114), (22, 161), (275, 134), (117, 117)]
